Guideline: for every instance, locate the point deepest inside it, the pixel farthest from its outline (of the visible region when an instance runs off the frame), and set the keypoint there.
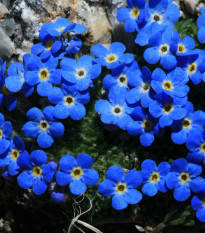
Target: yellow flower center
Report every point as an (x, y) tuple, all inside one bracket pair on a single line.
[(181, 48), (192, 68), (167, 85), (77, 172), (186, 123), (37, 171), (61, 29), (202, 148), (147, 125), (145, 87), (155, 177), (49, 44), (44, 125), (184, 177), (15, 154), (203, 201), (121, 188), (135, 13), (167, 108), (44, 74), (5, 90), (111, 58), (69, 100), (1, 133)]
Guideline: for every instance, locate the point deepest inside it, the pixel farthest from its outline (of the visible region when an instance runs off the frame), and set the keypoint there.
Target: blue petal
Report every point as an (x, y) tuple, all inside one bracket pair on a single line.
[(163, 168), (133, 196), (117, 48), (30, 129), (178, 113), (171, 180), (48, 172), (67, 163), (165, 120), (90, 177), (84, 160), (77, 187), (200, 214), (148, 165), (56, 95), (123, 14), (182, 192), (39, 186), (99, 51), (194, 169), (179, 137), (130, 25), (196, 203), (61, 111), (24, 161), (151, 55), (13, 168), (115, 173), (146, 139), (14, 83), (44, 88), (150, 189), (63, 178), (4, 145), (168, 61), (119, 202), (34, 114), (103, 106), (179, 165), (44, 140), (25, 180), (106, 188), (201, 35), (194, 141), (10, 102), (133, 179), (56, 129), (77, 112), (38, 157)]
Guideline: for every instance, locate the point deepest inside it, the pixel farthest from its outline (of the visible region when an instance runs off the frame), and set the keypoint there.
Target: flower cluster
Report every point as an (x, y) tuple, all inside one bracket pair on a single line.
[(141, 100)]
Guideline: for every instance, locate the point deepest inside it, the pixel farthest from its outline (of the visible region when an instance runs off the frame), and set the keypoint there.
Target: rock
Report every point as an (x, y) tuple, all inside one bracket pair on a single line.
[(191, 5), (3, 10)]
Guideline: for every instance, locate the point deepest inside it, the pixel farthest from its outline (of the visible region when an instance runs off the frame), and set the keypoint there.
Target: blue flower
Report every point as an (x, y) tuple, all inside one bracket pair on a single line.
[(112, 57), (196, 145), (183, 178), (154, 177), (43, 126), (121, 76), (60, 27), (42, 74), (198, 204), (6, 97), (5, 134), (182, 46), (69, 102), (9, 158), (193, 65), (162, 12), (49, 47), (132, 15), (36, 173), (115, 111), (161, 50), (141, 81), (144, 125), (58, 196), (80, 72), (16, 81), (201, 25), (192, 122), (167, 109), (77, 173), (173, 84), (121, 187)]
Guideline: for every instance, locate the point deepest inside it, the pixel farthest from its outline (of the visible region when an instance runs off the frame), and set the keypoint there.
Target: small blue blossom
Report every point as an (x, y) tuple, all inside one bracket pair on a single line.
[(5, 134), (183, 178), (192, 122), (121, 187), (132, 15), (182, 46), (196, 145), (80, 72), (115, 111), (77, 173), (193, 65), (36, 173), (198, 204), (154, 177), (49, 47), (60, 27), (112, 57), (144, 125), (16, 81), (42, 74), (167, 109), (141, 81), (173, 84), (160, 50), (201, 25), (122, 76), (9, 158), (58, 196), (43, 126), (69, 102)]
